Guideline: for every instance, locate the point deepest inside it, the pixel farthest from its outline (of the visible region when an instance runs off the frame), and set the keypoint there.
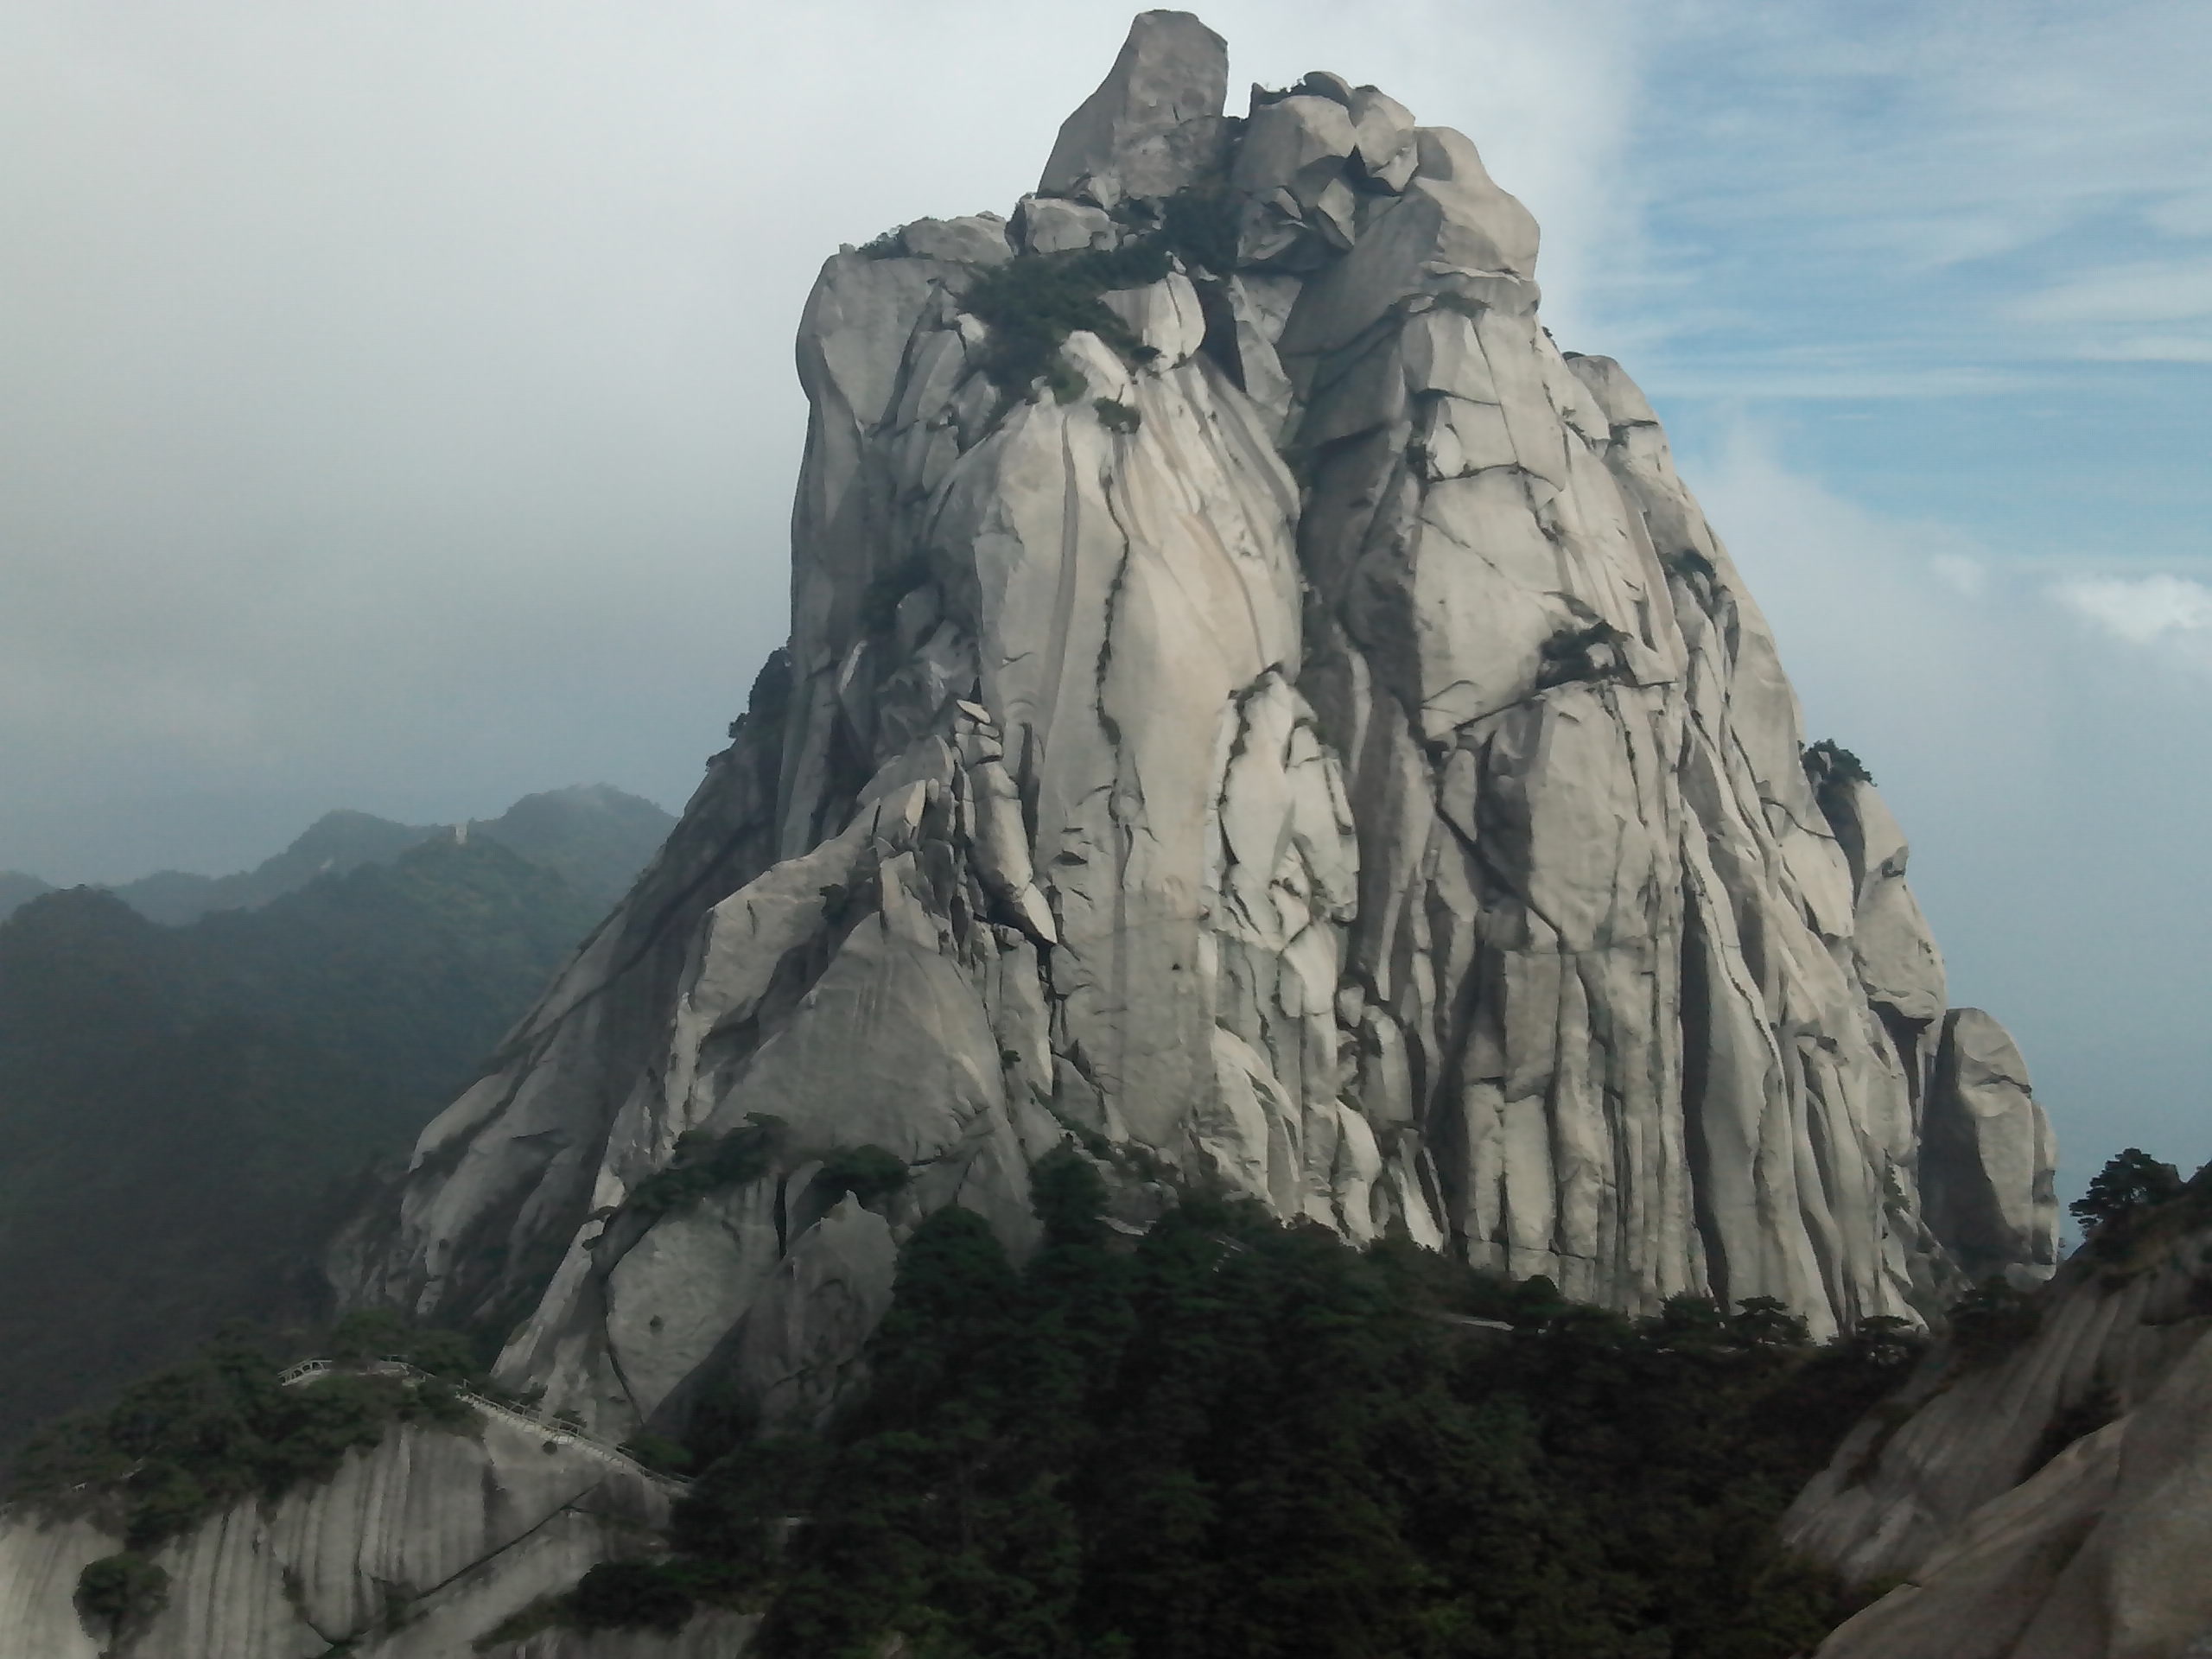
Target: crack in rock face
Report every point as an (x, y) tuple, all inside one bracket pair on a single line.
[(1258, 710)]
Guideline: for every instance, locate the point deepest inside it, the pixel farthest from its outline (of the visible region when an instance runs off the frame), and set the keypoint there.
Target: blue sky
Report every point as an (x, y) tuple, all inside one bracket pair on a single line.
[(401, 416)]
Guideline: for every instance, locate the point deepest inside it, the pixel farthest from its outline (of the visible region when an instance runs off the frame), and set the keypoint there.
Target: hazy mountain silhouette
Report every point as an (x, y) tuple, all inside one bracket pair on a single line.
[(181, 1105)]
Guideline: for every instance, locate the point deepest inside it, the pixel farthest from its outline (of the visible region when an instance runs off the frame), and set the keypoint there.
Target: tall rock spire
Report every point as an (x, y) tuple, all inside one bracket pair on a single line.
[(1258, 711)]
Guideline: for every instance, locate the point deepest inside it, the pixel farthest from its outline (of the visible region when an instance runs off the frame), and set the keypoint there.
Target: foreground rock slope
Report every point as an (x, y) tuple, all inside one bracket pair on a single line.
[(2045, 1497), (1294, 731), (415, 1551)]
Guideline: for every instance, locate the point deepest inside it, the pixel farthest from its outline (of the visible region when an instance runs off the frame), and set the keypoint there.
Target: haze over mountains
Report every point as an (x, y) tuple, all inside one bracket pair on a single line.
[(180, 1100), (593, 836)]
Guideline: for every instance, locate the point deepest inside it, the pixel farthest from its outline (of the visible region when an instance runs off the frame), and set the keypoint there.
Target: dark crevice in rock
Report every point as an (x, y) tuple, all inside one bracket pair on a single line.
[(1697, 1050)]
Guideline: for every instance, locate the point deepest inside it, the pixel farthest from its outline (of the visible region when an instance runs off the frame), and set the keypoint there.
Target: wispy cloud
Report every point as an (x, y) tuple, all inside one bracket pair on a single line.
[(2099, 314), (2140, 609), (1968, 185), (2160, 290)]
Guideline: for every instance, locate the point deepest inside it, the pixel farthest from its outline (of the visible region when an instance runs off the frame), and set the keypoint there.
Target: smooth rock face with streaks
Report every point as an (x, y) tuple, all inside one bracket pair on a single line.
[(2051, 1502), (1316, 748), (415, 1550)]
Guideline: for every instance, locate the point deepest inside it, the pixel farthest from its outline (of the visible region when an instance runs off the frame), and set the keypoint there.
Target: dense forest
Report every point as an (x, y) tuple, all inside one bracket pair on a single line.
[(1238, 1438), (1231, 1439)]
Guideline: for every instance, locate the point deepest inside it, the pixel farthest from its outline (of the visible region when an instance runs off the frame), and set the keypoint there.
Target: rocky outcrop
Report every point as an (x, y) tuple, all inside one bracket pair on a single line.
[(1989, 1153), (415, 1550), (2049, 1500), (1258, 709)]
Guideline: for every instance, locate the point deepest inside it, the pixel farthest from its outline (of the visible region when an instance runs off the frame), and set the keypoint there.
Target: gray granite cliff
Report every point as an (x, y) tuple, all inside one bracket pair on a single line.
[(1302, 737)]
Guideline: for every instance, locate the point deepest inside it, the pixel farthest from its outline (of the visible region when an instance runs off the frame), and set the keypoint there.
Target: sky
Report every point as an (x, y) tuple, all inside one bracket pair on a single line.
[(398, 409)]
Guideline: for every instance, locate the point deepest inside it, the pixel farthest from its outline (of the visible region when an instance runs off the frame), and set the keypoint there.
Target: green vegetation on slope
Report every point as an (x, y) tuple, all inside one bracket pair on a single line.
[(2136, 1207), (189, 1442), (1236, 1437), (1034, 303), (178, 1445), (180, 1107)]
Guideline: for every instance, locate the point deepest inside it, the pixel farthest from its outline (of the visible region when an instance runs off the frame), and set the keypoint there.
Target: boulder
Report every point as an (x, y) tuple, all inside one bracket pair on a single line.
[(1172, 69), (1297, 145), (978, 239), (1051, 225), (1988, 1153), (1383, 138)]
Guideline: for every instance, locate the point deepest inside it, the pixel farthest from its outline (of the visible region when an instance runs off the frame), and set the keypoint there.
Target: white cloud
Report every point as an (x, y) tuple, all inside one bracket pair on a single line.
[(2140, 609), (2164, 290), (2148, 348)]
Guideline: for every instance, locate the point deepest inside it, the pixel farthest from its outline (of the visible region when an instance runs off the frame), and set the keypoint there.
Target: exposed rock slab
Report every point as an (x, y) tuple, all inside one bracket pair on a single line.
[(2012, 1543), (413, 1551), (1173, 72)]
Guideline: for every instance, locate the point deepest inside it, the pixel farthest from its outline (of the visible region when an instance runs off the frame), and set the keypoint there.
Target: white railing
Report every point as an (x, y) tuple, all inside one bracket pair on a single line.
[(517, 1416)]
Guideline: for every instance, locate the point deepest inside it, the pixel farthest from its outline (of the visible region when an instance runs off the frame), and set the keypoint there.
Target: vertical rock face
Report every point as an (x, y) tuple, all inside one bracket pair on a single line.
[(1292, 731), (1988, 1154)]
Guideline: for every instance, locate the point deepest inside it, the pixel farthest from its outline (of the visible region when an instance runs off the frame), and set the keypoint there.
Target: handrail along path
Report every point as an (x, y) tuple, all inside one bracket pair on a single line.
[(392, 1365)]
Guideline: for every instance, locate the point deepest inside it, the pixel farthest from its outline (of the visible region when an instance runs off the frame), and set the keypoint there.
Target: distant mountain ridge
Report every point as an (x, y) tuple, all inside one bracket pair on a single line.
[(17, 889), (592, 836), (191, 1067)]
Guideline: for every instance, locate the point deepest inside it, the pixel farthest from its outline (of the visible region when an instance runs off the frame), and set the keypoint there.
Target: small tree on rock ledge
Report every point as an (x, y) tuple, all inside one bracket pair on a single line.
[(2134, 1180)]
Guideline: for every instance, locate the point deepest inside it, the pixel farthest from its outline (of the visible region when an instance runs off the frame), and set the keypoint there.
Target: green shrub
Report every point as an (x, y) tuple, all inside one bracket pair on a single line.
[(2134, 1180), (629, 1596), (1829, 766), (1200, 223), (1117, 417), (708, 1163), (870, 1174), (1033, 303), (1063, 380), (180, 1444), (1594, 653), (372, 1333), (1991, 1320), (732, 1514), (659, 1451), (119, 1591)]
